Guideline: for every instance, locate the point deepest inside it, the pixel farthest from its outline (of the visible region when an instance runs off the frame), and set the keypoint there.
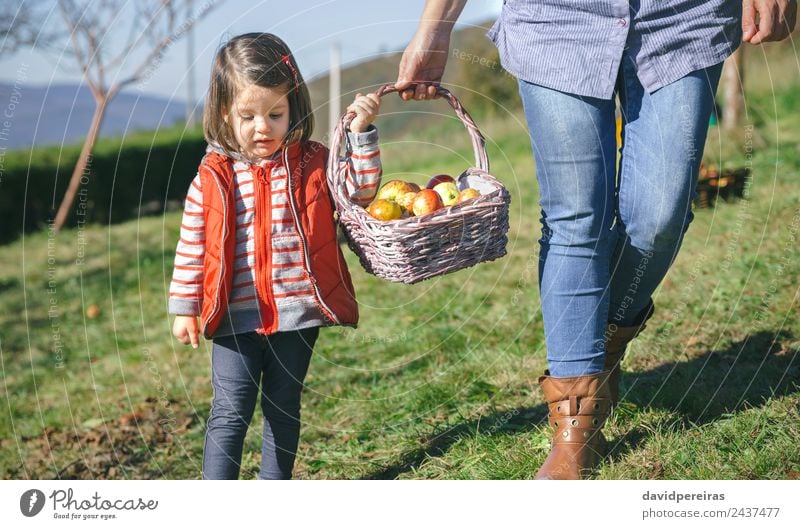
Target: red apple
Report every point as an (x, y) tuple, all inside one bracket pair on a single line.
[(468, 194), (448, 191), (426, 201), (393, 189), (383, 209), (438, 179)]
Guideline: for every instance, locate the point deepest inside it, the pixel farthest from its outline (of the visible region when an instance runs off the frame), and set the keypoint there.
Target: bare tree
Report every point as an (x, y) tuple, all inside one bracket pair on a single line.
[(152, 28), (21, 25)]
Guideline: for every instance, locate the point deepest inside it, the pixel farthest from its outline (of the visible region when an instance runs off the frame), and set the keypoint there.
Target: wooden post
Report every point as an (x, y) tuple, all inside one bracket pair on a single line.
[(733, 91), (190, 58), (334, 88)]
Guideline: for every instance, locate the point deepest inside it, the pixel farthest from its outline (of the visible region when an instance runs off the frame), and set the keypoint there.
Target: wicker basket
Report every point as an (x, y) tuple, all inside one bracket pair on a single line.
[(416, 248)]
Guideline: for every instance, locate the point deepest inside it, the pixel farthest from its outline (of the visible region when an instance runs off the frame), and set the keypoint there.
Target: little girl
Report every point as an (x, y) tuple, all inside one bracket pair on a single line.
[(258, 260)]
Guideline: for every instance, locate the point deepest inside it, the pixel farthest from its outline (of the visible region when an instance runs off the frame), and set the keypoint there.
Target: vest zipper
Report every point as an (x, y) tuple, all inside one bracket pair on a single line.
[(263, 204), (307, 260)]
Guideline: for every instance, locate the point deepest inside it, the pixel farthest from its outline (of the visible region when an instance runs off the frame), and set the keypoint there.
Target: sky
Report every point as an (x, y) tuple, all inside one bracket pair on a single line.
[(362, 29)]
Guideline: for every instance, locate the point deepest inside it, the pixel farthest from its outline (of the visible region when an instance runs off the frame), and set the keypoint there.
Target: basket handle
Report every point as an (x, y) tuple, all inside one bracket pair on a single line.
[(337, 174)]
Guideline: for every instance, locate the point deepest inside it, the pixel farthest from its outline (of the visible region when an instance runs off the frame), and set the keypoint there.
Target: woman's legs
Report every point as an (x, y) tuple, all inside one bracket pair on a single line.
[(664, 135), (574, 145), (589, 272), (286, 364)]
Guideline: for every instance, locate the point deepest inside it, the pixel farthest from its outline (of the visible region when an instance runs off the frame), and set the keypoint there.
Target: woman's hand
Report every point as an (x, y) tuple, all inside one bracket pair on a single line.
[(366, 108), (185, 330), (776, 20), (425, 57), (423, 65)]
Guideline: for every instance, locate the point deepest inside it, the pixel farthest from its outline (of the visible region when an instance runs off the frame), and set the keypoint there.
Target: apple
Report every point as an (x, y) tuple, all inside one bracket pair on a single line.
[(438, 179), (406, 202), (468, 194), (393, 189), (426, 201), (383, 209), (448, 191)]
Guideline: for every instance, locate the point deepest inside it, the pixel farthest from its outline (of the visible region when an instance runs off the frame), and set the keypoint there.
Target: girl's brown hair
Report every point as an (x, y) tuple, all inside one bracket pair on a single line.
[(264, 60)]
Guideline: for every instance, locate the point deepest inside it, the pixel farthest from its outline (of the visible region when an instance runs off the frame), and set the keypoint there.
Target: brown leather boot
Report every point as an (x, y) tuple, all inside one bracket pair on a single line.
[(617, 339), (579, 407)]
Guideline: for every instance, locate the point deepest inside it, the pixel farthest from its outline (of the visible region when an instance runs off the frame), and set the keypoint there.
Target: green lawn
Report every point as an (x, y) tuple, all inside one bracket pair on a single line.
[(439, 381)]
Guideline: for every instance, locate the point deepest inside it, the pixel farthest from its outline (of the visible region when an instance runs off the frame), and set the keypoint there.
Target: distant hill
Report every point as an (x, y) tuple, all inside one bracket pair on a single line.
[(61, 113)]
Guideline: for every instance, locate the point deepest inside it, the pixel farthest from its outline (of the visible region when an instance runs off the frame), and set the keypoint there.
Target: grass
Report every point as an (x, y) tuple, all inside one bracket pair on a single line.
[(439, 380)]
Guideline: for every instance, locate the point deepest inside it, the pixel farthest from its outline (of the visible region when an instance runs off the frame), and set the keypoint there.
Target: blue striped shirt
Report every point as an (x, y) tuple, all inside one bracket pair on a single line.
[(576, 46)]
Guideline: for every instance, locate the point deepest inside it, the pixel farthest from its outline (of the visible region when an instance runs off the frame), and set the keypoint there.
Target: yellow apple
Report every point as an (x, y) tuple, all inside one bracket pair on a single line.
[(448, 191), (393, 189), (406, 202), (383, 209), (468, 194)]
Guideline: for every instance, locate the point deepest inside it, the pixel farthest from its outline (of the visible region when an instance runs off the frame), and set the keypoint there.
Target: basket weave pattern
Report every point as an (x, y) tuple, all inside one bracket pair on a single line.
[(417, 248)]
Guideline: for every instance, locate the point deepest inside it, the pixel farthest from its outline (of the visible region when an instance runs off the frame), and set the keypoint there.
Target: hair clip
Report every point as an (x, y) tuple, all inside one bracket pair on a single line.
[(285, 59)]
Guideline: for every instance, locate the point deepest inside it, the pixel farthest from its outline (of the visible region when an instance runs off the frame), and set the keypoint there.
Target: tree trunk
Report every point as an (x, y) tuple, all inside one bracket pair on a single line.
[(83, 161), (733, 91)]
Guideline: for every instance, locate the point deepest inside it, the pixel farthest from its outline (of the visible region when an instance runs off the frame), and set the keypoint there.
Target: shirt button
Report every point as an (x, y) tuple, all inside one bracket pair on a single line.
[(622, 22)]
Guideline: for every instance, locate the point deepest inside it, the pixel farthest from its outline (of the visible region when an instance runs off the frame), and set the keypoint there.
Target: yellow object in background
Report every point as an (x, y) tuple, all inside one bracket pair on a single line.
[(619, 131)]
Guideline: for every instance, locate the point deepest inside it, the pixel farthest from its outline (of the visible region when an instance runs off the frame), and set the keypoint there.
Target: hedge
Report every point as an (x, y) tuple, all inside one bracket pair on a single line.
[(144, 173)]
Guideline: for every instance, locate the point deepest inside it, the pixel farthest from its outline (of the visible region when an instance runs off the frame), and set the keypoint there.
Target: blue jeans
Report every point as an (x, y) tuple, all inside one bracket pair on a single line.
[(607, 242), (239, 363)]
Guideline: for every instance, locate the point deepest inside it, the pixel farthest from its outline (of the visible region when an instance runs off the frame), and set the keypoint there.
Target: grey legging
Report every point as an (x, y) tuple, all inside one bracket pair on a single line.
[(240, 362)]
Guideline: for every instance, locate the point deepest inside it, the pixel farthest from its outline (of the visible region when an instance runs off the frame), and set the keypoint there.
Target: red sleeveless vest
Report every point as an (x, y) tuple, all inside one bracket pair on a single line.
[(312, 211)]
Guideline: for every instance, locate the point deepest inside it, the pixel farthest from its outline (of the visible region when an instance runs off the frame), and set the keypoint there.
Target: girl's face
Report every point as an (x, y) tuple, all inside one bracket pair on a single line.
[(260, 120)]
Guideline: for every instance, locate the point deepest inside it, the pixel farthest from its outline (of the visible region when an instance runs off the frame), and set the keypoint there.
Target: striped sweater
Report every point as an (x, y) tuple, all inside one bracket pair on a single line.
[(292, 290)]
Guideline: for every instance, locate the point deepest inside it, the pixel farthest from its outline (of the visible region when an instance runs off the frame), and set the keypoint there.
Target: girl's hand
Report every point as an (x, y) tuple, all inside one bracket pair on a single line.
[(366, 108), (185, 330)]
